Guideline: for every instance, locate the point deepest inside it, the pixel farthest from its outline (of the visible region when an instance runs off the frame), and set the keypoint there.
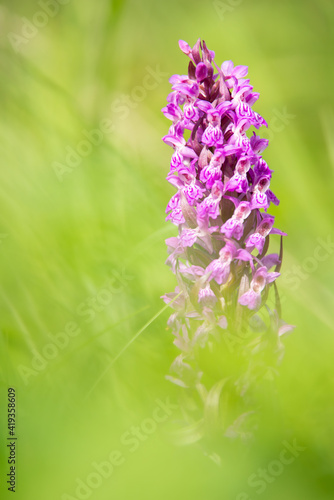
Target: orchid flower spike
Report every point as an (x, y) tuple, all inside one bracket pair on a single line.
[(220, 208)]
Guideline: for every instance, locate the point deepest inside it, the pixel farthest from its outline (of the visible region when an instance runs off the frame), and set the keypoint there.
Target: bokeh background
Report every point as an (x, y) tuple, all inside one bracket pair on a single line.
[(77, 221)]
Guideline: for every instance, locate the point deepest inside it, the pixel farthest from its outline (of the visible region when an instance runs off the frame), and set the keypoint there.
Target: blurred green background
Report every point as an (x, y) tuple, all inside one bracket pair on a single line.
[(83, 242)]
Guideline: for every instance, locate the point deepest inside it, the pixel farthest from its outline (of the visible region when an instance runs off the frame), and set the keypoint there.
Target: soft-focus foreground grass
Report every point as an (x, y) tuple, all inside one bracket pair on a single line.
[(61, 242)]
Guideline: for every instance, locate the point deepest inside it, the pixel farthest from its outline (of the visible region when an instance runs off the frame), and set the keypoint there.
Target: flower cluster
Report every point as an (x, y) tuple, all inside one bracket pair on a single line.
[(220, 256)]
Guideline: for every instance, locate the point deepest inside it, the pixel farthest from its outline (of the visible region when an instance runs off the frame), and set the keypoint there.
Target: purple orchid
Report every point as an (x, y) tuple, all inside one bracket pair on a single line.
[(220, 208), (252, 298), (257, 239)]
